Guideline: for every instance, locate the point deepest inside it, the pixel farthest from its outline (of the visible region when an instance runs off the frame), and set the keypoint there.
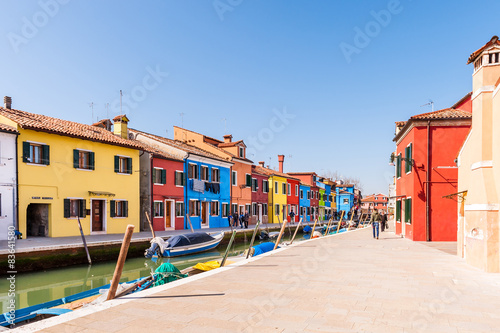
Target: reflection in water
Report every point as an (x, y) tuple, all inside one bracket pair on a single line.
[(38, 287)]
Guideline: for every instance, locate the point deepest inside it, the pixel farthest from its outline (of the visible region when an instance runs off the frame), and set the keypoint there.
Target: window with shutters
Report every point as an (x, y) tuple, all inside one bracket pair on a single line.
[(234, 178), (225, 209), (179, 209), (121, 208), (408, 210), (214, 208), (254, 209), (194, 208), (301, 194), (398, 166), (159, 176), (123, 164), (74, 208), (265, 186), (264, 209), (276, 209), (408, 158), (248, 180), (275, 187), (215, 175), (234, 208), (308, 195), (289, 186), (283, 188), (204, 173), (158, 208), (255, 183), (179, 178), (36, 153), (83, 159), (192, 171), (242, 152), (296, 190)]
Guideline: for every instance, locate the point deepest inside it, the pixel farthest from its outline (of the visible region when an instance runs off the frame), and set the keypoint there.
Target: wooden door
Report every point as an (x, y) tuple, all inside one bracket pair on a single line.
[(97, 215), (204, 213), (168, 212)]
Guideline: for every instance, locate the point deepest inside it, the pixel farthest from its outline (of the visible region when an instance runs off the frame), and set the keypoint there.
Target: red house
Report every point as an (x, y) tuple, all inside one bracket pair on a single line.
[(293, 199), (427, 145), (260, 196), (374, 202), (309, 178)]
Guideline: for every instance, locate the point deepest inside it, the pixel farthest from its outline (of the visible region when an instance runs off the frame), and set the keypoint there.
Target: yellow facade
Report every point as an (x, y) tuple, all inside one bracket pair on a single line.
[(279, 198), (46, 186)]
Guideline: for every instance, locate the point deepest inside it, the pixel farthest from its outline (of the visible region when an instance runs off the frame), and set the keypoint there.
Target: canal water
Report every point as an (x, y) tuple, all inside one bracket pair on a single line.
[(38, 287)]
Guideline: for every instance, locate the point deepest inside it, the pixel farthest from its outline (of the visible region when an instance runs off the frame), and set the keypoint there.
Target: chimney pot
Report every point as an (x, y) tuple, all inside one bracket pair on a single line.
[(281, 159), (7, 101), (261, 163), (228, 138)]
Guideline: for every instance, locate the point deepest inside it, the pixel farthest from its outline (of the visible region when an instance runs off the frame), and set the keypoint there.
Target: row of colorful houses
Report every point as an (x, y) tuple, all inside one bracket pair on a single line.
[(56, 173), (447, 169)]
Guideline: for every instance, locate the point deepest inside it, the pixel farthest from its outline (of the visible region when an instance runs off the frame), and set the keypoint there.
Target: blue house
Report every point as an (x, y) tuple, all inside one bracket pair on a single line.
[(205, 178), (345, 197), (305, 202), (207, 192)]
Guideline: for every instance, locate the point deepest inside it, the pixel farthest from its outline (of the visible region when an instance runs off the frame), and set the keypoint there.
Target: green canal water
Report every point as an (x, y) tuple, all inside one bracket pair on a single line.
[(38, 287)]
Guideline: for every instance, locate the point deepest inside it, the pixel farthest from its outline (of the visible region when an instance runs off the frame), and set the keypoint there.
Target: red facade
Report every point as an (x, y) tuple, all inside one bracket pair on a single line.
[(423, 212), (260, 198), (168, 194), (293, 198)]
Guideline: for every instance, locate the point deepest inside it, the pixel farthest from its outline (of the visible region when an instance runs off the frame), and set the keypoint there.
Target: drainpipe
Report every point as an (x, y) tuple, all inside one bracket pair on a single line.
[(427, 183), (151, 198), (16, 202), (186, 202)]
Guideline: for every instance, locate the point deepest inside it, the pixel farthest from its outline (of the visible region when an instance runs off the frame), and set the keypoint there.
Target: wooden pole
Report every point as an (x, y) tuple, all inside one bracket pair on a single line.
[(328, 226), (83, 239), (340, 222), (253, 238), (121, 261), (361, 219), (297, 229), (223, 262), (150, 225), (189, 221), (350, 221), (314, 226), (281, 233)]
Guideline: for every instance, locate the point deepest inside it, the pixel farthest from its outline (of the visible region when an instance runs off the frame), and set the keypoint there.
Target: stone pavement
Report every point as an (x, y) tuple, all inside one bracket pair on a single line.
[(342, 283)]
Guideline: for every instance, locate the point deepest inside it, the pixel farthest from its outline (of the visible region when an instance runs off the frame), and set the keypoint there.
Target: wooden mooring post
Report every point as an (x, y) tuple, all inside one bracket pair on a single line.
[(297, 229), (281, 233), (121, 262), (253, 238), (340, 222)]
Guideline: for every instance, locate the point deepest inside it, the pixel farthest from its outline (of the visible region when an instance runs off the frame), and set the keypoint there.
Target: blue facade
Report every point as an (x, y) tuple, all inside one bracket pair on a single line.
[(304, 202), (328, 192), (206, 208), (345, 198)]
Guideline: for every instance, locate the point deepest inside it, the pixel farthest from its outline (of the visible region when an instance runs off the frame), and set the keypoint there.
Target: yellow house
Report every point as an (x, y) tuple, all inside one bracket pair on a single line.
[(277, 205), (478, 161), (69, 171)]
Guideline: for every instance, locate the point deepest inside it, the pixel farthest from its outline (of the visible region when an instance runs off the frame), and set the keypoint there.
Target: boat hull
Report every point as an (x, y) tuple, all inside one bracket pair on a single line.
[(193, 248)]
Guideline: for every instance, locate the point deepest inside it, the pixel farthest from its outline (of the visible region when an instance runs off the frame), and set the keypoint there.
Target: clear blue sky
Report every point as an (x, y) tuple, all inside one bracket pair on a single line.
[(244, 61)]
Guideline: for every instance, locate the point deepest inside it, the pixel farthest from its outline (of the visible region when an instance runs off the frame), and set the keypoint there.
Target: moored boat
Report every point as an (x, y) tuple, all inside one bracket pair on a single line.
[(184, 244)]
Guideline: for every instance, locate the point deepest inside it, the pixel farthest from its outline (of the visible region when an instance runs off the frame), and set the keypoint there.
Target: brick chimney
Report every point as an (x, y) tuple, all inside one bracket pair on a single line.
[(261, 163), (104, 123), (228, 138), (281, 159), (120, 126), (7, 102)]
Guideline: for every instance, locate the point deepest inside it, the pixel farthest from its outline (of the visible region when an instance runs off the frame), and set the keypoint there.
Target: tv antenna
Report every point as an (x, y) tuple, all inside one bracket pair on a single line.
[(431, 103), (91, 105), (121, 94), (182, 119)]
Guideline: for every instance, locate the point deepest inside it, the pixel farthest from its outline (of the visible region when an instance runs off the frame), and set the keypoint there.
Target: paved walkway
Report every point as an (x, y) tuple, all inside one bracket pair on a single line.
[(343, 283)]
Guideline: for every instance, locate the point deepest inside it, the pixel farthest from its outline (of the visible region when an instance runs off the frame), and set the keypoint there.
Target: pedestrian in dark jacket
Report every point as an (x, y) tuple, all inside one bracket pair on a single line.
[(235, 219), (375, 220), (246, 217), (383, 222)]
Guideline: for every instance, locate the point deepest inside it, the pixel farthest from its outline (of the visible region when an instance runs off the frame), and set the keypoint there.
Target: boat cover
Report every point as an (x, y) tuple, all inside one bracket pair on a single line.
[(189, 239), (263, 248)]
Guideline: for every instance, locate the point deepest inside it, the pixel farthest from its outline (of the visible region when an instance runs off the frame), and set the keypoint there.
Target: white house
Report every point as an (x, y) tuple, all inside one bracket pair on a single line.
[(8, 179)]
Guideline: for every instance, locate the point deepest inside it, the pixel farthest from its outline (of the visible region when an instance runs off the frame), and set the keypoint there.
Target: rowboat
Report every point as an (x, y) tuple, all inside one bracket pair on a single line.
[(184, 244)]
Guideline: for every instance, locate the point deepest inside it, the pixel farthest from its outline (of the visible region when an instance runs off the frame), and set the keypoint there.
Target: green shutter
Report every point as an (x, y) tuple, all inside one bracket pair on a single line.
[(92, 160), (112, 207), (125, 208), (398, 210), (117, 163), (398, 166), (26, 152), (129, 165), (162, 209), (163, 176), (76, 158), (409, 211), (249, 180), (83, 208), (66, 207), (45, 154)]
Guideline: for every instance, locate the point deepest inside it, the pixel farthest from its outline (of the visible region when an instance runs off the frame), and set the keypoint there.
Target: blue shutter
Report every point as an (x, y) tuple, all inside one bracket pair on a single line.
[(92, 160), (112, 207), (26, 152), (117, 164), (129, 165), (45, 154)]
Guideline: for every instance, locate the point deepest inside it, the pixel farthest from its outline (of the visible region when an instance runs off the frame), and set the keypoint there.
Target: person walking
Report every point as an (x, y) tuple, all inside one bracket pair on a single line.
[(235, 219), (383, 221), (246, 217), (292, 217), (375, 220)]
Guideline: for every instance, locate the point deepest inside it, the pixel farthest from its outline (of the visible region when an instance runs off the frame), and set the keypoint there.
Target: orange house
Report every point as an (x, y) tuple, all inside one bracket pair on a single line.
[(233, 151)]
